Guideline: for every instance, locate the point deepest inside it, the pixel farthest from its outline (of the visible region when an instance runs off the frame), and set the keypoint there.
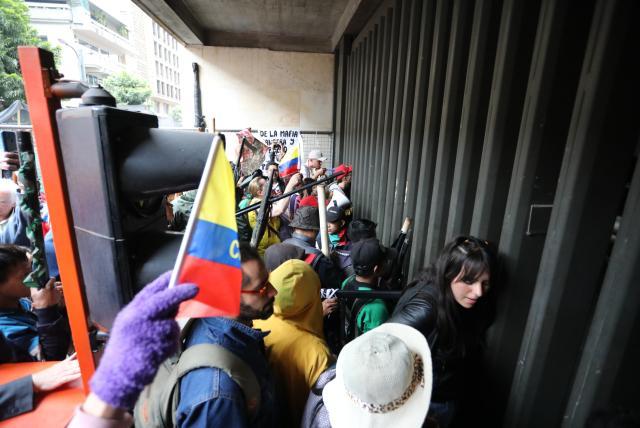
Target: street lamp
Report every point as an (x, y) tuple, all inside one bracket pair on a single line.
[(80, 57)]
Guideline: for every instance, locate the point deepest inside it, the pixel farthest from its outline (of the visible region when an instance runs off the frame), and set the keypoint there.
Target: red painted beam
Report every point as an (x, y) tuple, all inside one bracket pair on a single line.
[(38, 73)]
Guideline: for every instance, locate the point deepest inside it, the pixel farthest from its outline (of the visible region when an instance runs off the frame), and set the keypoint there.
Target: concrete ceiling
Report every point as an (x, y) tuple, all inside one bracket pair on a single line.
[(283, 25)]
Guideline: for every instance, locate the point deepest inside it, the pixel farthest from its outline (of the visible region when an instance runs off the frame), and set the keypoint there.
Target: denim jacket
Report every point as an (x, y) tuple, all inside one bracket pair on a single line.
[(208, 396)]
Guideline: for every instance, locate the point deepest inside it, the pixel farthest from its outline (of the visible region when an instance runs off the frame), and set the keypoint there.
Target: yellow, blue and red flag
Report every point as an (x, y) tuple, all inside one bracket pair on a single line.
[(209, 255), (290, 163)]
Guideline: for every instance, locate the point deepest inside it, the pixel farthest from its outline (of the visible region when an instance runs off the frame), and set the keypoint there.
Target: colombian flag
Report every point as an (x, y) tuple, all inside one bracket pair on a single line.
[(209, 255), (290, 163)]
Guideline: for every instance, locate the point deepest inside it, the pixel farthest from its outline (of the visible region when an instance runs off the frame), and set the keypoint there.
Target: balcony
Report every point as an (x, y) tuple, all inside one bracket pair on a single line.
[(101, 29), (49, 13), (99, 64), (102, 36)]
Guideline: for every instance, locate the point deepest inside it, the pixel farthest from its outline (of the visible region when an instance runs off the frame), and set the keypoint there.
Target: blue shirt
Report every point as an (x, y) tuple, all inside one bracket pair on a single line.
[(208, 396), (15, 231), (36, 334), (19, 326)]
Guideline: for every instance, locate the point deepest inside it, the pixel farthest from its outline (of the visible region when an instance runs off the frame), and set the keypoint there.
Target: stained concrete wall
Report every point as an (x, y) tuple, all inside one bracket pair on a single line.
[(259, 88)]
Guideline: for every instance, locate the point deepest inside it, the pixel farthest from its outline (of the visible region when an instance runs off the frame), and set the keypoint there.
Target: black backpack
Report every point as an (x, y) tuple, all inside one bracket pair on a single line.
[(351, 327)]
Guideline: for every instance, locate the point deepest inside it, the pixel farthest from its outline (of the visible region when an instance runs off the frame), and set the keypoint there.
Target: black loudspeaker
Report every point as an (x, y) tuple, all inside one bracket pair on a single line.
[(119, 167)]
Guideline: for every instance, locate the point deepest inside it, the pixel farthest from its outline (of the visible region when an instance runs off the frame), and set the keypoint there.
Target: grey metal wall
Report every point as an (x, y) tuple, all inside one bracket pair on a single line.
[(516, 121)]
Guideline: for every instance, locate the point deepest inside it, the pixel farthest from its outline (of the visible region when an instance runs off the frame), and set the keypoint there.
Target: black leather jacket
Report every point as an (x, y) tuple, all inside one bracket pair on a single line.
[(417, 308)]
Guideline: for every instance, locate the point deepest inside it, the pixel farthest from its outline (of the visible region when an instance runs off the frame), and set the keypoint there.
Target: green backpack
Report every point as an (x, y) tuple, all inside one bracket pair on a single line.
[(157, 404)]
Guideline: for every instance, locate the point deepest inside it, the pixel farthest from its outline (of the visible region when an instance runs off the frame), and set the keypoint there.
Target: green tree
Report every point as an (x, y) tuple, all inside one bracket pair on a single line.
[(176, 114), (127, 89), (15, 30)]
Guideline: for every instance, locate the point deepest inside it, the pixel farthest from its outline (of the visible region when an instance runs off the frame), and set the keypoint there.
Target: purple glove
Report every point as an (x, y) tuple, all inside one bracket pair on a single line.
[(144, 334)]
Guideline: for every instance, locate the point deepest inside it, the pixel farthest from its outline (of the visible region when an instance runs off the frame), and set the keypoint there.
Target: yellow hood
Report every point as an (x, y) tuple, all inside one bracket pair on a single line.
[(298, 298)]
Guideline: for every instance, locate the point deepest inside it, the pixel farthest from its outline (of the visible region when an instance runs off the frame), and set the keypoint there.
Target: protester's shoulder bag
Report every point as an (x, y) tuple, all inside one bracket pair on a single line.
[(158, 402)]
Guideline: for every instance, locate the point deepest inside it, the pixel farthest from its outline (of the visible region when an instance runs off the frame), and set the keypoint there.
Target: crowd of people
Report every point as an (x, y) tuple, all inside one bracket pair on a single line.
[(288, 359)]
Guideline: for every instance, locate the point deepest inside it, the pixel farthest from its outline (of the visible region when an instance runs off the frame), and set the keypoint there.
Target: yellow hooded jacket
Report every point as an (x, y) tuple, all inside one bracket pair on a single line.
[(296, 348)]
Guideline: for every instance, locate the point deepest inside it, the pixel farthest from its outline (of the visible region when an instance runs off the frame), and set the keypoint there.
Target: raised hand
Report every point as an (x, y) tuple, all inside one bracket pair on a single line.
[(144, 334)]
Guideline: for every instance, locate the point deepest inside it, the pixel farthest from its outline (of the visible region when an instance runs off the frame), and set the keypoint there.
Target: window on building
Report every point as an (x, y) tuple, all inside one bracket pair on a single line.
[(166, 108), (93, 80), (178, 93), (122, 59), (157, 86)]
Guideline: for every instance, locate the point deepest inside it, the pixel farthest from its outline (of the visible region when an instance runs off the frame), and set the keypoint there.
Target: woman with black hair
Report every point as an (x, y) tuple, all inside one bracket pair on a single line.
[(445, 304)]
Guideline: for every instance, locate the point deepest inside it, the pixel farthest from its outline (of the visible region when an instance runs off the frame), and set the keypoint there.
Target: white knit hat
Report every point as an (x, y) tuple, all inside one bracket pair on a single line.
[(383, 379)]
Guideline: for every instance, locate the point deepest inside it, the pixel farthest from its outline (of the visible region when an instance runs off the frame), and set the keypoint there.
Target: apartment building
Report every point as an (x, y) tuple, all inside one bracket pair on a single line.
[(95, 42), (166, 68), (102, 37)]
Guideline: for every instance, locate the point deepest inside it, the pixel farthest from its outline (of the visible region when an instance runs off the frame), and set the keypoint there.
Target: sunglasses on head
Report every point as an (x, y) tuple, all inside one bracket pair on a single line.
[(471, 245)]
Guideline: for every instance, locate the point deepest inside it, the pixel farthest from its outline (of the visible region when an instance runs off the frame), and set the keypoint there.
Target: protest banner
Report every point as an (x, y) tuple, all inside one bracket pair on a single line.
[(281, 141)]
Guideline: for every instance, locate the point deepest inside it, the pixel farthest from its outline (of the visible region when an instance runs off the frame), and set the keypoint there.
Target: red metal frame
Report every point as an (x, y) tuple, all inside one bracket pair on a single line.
[(38, 73)]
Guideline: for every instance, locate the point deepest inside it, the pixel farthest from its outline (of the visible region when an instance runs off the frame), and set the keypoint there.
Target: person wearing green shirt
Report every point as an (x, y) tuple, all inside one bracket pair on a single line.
[(368, 257)]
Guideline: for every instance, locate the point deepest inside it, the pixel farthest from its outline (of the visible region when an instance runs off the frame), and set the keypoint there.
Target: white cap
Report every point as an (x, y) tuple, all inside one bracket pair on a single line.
[(316, 154)]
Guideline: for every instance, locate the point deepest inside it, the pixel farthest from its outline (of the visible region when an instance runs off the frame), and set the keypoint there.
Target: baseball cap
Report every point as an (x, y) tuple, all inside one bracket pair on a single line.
[(309, 201), (367, 254), (334, 213), (361, 228), (316, 154), (343, 169)]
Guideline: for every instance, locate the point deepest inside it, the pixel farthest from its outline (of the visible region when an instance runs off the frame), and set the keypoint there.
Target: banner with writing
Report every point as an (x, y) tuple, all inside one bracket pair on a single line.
[(280, 142)]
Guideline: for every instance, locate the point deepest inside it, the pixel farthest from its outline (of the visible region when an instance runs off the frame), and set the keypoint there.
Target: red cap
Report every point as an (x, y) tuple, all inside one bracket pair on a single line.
[(343, 169), (309, 201)]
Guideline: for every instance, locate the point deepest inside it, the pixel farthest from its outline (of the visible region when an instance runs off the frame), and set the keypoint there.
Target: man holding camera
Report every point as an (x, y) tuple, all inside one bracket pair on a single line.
[(313, 167)]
